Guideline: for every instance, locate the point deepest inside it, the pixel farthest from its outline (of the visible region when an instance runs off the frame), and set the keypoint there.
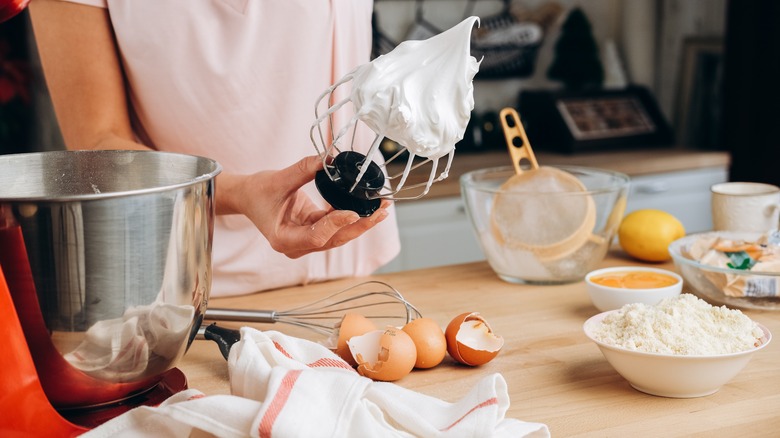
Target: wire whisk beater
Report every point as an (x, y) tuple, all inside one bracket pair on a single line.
[(419, 95), (353, 180), (375, 300)]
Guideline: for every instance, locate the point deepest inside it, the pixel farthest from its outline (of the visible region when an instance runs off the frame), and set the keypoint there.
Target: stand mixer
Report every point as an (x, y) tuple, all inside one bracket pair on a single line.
[(418, 95), (100, 296)]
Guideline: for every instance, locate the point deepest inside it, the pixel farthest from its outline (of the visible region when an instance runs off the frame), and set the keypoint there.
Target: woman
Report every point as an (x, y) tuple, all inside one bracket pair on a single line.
[(236, 81)]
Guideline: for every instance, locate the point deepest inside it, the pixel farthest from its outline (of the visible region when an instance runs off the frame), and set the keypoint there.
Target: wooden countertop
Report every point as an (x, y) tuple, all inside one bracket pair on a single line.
[(631, 162), (555, 375)]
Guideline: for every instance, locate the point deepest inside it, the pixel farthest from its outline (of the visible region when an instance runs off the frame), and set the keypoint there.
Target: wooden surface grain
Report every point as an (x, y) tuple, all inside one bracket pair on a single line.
[(630, 162), (555, 375)]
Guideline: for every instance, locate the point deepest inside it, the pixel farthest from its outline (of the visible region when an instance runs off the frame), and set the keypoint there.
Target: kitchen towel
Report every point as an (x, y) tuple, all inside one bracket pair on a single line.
[(288, 387)]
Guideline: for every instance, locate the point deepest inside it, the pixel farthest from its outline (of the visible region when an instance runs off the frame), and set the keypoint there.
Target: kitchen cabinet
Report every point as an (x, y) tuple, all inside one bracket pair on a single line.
[(685, 194), (434, 233), (437, 232)]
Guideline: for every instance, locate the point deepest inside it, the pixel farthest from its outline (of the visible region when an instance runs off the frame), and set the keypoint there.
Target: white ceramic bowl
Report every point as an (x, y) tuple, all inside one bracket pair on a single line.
[(669, 375), (611, 298), (705, 280), (608, 192)]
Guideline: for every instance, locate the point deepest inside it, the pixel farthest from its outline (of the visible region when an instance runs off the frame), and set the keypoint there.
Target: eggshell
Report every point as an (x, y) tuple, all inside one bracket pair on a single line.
[(385, 355), (429, 341), (471, 341), (352, 324)]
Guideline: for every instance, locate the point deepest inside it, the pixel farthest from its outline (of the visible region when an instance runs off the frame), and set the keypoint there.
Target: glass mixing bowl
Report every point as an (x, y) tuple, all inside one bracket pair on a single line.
[(549, 236), (747, 289)]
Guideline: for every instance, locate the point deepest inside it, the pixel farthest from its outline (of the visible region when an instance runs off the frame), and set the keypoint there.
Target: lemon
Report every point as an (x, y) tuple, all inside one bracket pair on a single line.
[(646, 234)]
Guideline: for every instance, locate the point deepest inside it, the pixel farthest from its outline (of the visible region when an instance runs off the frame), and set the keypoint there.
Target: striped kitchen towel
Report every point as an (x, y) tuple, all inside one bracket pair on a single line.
[(284, 386)]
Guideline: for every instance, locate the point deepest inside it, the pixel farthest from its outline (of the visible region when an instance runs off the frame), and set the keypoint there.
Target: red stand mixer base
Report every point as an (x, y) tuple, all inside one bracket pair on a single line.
[(173, 381), (26, 410)]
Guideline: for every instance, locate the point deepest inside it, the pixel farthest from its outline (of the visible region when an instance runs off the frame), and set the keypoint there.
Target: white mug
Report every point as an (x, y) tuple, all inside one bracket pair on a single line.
[(745, 206)]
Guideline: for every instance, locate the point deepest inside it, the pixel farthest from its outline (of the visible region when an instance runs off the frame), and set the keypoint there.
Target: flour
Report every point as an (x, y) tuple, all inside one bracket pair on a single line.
[(683, 325)]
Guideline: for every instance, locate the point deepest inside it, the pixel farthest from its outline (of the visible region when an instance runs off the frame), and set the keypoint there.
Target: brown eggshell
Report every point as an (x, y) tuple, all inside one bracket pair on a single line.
[(385, 355), (471, 341), (429, 341), (352, 324)]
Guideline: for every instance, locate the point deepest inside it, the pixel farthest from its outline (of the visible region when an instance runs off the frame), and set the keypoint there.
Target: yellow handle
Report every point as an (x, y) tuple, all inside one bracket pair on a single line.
[(516, 140)]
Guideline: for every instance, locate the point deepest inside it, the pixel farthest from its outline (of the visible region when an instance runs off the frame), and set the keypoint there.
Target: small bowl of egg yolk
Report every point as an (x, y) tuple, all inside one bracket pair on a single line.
[(612, 288)]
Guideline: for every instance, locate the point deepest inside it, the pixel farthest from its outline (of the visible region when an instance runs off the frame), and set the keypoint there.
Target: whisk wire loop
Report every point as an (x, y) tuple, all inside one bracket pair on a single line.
[(330, 140), (373, 299)]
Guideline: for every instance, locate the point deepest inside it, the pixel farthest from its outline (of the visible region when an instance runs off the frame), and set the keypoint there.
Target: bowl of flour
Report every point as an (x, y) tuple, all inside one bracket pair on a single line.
[(682, 347)]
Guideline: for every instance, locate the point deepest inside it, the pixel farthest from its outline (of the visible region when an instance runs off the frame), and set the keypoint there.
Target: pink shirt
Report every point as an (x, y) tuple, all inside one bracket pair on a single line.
[(236, 81)]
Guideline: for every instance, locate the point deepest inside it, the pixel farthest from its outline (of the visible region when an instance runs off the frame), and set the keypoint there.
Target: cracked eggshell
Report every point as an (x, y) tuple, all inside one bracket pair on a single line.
[(385, 355), (352, 324), (471, 341), (429, 341)]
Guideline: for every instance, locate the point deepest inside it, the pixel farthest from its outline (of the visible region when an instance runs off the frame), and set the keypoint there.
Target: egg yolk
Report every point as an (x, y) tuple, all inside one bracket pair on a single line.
[(635, 280)]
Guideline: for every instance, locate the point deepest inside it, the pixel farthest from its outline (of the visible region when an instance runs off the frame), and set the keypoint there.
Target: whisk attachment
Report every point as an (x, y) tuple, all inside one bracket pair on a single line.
[(419, 95), (375, 300), (357, 181), (354, 181)]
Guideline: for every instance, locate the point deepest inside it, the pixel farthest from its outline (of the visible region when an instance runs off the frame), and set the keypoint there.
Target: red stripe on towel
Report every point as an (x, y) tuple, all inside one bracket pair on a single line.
[(488, 402), (277, 404), (327, 362), (330, 363), (282, 350)]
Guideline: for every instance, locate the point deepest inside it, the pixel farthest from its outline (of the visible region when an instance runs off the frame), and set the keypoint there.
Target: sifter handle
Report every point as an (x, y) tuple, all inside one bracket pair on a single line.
[(516, 140)]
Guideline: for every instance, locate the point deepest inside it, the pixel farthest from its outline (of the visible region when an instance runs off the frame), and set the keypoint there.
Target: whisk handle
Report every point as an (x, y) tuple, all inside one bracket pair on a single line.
[(219, 314)]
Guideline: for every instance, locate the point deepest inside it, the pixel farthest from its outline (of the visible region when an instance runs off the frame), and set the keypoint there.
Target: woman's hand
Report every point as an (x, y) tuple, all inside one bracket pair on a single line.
[(286, 216)]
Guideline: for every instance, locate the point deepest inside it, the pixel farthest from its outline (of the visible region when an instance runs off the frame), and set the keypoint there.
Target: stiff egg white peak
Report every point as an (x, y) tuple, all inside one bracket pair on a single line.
[(420, 94)]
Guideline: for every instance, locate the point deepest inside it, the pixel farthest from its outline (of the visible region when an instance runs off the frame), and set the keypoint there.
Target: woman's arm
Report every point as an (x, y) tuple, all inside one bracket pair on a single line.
[(84, 75)]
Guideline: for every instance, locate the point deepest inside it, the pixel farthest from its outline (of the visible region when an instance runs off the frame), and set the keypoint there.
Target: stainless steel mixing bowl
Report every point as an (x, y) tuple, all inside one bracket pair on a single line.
[(108, 259)]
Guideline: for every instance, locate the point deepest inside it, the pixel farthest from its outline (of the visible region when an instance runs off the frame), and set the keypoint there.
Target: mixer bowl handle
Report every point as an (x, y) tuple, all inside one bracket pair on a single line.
[(224, 337)]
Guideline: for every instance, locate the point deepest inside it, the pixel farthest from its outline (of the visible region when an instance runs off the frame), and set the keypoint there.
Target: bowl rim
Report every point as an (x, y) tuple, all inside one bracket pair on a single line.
[(765, 340), (675, 250), (628, 268), (166, 158), (622, 180)]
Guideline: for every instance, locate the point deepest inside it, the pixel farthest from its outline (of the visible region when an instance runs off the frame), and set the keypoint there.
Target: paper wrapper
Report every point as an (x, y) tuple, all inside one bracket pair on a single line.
[(736, 285)]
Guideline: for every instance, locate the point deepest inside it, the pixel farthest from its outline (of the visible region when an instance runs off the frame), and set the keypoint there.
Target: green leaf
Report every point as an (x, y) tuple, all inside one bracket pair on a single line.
[(740, 260)]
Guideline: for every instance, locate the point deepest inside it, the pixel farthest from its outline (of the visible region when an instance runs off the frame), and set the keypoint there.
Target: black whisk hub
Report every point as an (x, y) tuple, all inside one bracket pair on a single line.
[(335, 184)]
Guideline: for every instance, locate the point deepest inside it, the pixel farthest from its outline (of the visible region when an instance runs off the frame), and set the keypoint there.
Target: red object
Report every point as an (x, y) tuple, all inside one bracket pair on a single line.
[(65, 386), (26, 410), (9, 8)]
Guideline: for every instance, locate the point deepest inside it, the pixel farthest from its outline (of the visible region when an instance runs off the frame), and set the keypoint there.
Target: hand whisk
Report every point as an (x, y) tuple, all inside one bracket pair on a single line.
[(373, 299)]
